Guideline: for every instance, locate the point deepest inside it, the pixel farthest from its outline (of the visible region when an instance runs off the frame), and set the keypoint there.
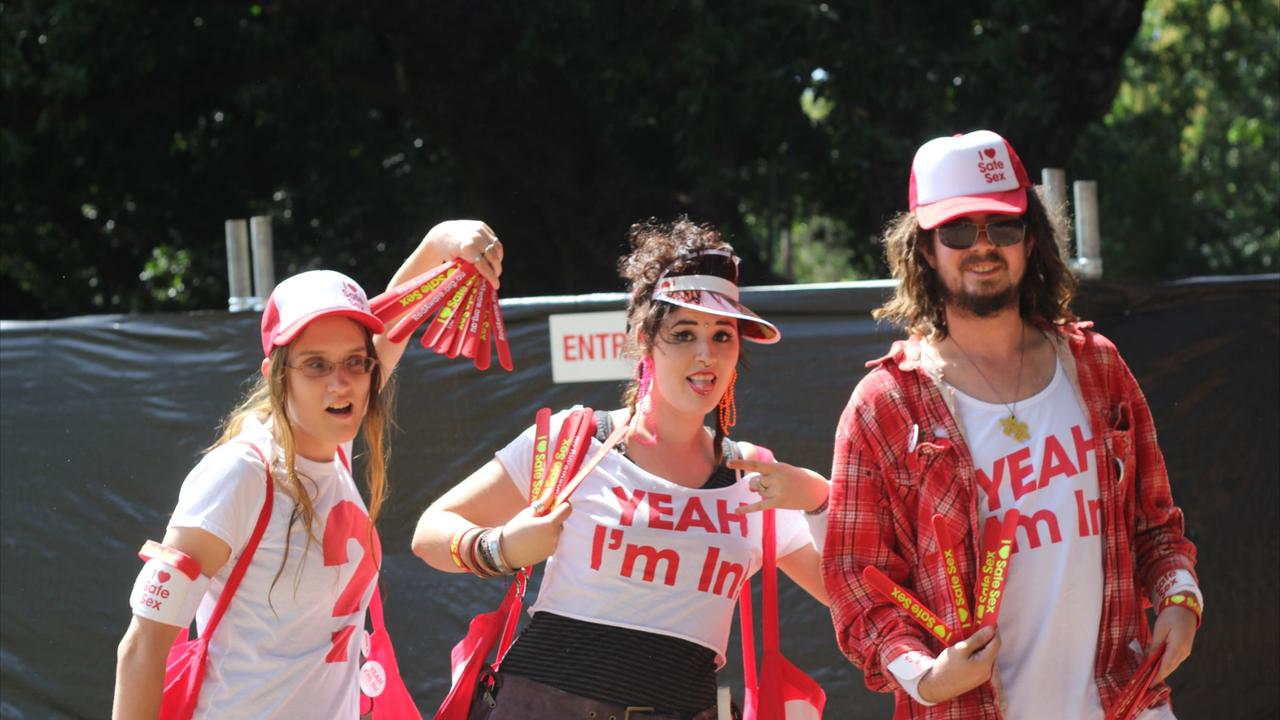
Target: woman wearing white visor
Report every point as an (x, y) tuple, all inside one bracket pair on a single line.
[(644, 564)]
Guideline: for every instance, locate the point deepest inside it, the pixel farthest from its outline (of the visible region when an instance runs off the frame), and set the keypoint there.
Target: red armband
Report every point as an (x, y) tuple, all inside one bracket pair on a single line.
[(1182, 599)]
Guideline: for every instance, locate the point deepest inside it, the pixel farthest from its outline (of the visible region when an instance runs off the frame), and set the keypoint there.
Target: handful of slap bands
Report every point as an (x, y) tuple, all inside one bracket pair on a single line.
[(993, 573), (1133, 700), (459, 307), (555, 465)]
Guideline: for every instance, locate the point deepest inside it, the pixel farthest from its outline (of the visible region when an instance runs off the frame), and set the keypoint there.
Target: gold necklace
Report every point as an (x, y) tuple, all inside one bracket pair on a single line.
[(1011, 426)]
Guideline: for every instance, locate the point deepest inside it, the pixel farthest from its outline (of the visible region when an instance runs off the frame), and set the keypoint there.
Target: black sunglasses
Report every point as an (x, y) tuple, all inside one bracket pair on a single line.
[(962, 235)]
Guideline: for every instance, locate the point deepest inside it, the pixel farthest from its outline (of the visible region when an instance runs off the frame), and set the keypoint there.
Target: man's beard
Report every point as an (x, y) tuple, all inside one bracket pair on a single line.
[(984, 305)]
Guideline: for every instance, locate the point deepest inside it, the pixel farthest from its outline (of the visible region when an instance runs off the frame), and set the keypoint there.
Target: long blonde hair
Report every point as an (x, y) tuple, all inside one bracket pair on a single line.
[(268, 400)]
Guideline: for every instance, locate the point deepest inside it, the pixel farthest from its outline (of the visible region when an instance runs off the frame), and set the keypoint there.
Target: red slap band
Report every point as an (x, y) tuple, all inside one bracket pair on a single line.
[(500, 333), (152, 550), (460, 274), (451, 316), (388, 305), (899, 596), (993, 572), (564, 442), (447, 316), (1130, 702), (541, 440), (459, 332), (466, 337), (579, 442), (947, 558), (484, 348), (471, 344)]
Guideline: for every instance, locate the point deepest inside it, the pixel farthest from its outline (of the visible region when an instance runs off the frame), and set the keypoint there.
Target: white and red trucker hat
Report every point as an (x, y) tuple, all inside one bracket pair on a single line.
[(708, 282), (309, 296), (977, 172)]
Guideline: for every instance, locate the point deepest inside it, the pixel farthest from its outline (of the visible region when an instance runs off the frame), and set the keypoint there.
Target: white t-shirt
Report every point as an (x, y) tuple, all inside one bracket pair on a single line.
[(1052, 605), (292, 650), (645, 553)]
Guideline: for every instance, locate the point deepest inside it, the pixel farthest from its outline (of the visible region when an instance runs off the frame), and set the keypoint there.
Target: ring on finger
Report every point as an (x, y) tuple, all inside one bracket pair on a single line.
[(492, 244)]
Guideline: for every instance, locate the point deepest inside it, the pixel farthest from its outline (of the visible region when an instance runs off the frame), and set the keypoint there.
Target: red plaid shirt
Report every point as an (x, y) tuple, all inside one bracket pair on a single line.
[(883, 498)]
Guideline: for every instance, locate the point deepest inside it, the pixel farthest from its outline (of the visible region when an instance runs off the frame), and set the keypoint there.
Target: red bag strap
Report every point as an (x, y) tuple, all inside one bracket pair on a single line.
[(768, 700), (769, 580), (242, 565)]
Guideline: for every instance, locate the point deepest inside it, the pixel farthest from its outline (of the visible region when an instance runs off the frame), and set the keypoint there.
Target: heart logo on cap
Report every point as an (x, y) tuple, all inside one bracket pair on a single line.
[(989, 152), (163, 577)]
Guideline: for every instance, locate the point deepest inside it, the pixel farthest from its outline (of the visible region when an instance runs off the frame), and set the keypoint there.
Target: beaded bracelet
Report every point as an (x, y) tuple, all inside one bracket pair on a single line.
[(1182, 599)]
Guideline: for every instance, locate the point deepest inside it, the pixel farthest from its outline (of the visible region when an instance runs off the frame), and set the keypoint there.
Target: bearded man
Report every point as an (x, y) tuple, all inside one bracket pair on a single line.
[(1000, 401)]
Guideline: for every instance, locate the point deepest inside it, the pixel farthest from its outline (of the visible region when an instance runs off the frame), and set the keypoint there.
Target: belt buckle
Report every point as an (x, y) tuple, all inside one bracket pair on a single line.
[(638, 710)]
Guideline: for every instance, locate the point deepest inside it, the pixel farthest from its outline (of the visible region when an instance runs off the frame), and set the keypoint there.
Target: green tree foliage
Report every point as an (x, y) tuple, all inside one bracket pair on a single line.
[(1188, 159), (132, 130)]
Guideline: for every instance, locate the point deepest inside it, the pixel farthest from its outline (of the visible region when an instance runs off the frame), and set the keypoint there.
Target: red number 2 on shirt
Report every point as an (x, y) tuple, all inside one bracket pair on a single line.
[(347, 521)]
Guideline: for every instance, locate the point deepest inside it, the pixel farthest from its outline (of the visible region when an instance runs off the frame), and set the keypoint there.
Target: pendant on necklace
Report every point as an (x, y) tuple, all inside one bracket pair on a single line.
[(1015, 428)]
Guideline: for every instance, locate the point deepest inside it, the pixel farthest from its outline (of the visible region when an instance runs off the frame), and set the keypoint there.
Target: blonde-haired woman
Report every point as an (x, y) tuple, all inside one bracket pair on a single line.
[(289, 643)]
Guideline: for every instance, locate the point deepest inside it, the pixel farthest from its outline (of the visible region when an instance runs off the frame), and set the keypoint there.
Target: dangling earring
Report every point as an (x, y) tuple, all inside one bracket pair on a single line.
[(729, 407), (644, 403)]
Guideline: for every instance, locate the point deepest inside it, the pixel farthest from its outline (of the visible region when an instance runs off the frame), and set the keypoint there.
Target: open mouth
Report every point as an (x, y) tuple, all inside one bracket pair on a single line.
[(702, 383), (982, 266), (340, 409)]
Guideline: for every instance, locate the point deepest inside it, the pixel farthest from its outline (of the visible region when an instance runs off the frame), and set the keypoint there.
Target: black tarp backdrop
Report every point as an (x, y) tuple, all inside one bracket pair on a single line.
[(103, 416)]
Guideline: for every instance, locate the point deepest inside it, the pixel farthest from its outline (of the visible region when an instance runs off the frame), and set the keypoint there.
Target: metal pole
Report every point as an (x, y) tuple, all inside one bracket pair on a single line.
[(239, 288), (1088, 236), (1054, 181), (264, 267)]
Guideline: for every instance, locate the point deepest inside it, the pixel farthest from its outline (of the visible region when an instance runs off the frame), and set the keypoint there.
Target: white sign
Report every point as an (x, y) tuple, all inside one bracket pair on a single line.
[(586, 347)]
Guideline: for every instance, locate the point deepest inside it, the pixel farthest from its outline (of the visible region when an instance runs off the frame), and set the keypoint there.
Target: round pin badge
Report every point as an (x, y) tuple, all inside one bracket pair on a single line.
[(373, 678)]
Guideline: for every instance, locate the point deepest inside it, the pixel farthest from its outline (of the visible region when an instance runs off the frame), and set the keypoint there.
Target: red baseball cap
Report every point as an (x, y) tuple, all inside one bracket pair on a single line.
[(309, 296), (978, 172)]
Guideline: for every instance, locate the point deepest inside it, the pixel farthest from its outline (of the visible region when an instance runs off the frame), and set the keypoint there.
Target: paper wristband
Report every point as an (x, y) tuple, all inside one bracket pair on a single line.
[(1182, 599), (951, 571), (541, 439), (1129, 704), (899, 596), (993, 571)]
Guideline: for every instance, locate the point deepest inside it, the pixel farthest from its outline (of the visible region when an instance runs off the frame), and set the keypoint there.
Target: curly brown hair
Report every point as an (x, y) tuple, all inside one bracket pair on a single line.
[(1048, 286), (658, 247)]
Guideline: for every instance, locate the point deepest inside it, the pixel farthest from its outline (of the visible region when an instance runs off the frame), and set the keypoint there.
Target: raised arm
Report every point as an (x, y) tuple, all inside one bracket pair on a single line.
[(471, 240)]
